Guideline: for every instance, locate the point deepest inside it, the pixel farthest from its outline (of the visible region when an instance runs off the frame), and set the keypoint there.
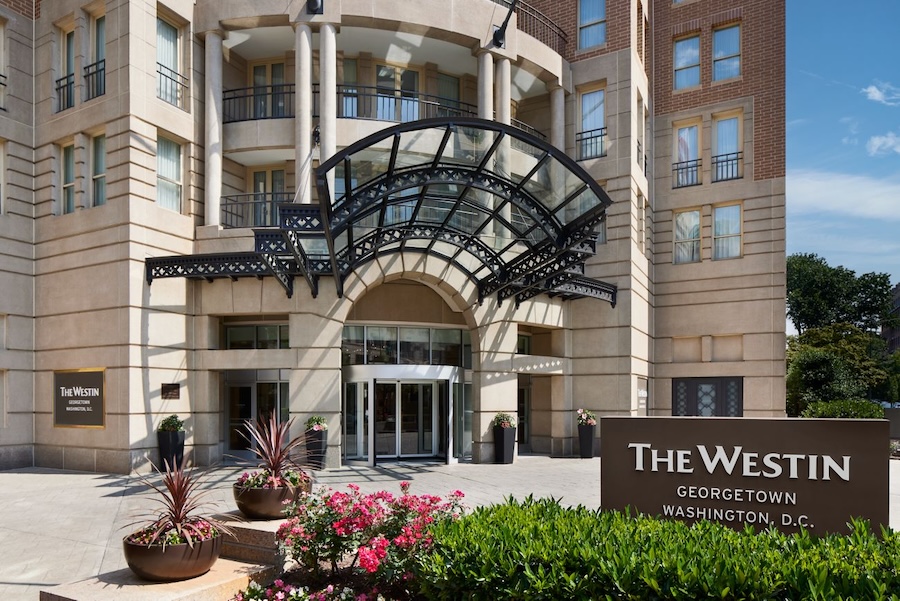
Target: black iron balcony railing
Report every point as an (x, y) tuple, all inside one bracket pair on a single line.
[(727, 166), (686, 173), (258, 209), (65, 92), (537, 25), (522, 146), (171, 86), (641, 157), (386, 104), (590, 144), (2, 92), (95, 79), (258, 102)]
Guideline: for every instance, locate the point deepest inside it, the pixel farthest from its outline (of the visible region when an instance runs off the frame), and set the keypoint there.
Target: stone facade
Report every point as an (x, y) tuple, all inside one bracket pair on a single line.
[(244, 89)]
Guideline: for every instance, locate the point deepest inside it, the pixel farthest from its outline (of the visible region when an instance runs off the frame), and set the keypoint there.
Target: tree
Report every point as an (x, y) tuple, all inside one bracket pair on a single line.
[(820, 295), (864, 353), (819, 375)]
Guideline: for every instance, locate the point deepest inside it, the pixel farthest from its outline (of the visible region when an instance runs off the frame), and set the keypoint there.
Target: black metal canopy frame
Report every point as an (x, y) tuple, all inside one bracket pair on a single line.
[(514, 214)]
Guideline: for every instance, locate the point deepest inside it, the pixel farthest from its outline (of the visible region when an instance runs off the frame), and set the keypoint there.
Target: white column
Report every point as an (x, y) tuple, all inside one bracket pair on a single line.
[(327, 95), (503, 85), (486, 85), (303, 112), (213, 167), (558, 118)]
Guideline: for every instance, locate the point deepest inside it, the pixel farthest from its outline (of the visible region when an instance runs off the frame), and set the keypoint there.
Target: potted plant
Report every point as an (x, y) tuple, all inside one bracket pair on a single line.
[(170, 435), (263, 493), (176, 544), (587, 422), (504, 426), (316, 441)]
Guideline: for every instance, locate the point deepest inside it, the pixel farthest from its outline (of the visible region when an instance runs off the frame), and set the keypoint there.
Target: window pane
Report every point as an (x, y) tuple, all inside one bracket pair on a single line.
[(240, 337), (727, 232), (445, 347), (99, 155), (168, 182), (591, 23), (100, 39), (591, 11), (592, 110), (687, 237), (166, 45), (381, 345), (687, 63), (70, 53), (414, 346), (267, 337), (706, 400), (68, 164), (284, 338), (592, 35), (727, 136), (687, 144), (352, 345)]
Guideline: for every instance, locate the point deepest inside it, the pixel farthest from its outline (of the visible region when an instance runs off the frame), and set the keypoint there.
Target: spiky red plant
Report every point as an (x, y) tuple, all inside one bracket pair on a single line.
[(180, 499), (274, 446)]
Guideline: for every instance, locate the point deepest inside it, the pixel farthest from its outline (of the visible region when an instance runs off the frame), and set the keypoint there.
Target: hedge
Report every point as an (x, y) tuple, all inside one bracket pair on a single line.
[(537, 549), (856, 409)]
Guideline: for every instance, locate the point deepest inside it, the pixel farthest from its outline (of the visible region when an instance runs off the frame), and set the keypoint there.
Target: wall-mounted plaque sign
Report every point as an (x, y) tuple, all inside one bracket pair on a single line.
[(786, 473), (78, 399), (171, 392)]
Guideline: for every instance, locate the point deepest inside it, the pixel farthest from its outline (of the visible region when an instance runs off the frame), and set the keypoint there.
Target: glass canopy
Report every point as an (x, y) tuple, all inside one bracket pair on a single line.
[(513, 213)]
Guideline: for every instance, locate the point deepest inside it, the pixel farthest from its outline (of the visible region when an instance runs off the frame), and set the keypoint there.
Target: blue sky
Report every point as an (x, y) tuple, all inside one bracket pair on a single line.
[(843, 133)]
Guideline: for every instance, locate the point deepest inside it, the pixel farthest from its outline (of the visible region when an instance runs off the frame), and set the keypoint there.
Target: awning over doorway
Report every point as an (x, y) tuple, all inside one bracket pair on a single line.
[(516, 215)]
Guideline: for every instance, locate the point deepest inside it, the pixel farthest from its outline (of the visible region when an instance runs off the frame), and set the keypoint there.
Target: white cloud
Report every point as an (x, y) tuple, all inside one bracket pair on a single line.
[(881, 145), (883, 93), (815, 192)]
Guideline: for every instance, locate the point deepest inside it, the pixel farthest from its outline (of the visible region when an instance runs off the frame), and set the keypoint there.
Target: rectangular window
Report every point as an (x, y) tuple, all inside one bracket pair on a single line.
[(414, 346), (708, 397), (68, 179), (686, 169), (591, 23), (590, 140), (98, 171), (171, 85), (727, 156), (687, 63), (727, 232), (65, 85), (727, 53), (95, 73), (448, 96), (687, 237), (168, 174)]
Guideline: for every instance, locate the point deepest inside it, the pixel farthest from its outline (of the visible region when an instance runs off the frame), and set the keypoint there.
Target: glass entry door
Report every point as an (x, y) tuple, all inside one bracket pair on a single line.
[(247, 401), (405, 419)]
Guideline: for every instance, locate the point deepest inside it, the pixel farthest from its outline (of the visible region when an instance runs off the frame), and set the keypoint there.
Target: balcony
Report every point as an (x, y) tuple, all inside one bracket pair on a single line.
[(171, 86), (258, 209), (65, 92), (727, 166), (2, 92), (590, 144), (385, 104), (641, 157), (522, 146), (95, 80), (258, 102), (686, 173), (537, 25)]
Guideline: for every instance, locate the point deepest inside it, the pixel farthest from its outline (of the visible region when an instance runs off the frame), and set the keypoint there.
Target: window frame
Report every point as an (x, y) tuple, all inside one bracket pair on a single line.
[(94, 73), (179, 79), (179, 182), (692, 240), (98, 178), (720, 383), (717, 60), (739, 235), (587, 146), (687, 172), (729, 171), (582, 26), (67, 188), (676, 69)]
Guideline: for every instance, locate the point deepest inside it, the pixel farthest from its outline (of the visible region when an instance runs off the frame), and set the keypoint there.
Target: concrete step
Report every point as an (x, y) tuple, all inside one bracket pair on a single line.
[(226, 578), (254, 541)]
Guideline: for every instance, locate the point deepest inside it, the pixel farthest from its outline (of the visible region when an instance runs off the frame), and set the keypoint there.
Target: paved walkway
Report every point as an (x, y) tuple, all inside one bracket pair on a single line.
[(58, 526)]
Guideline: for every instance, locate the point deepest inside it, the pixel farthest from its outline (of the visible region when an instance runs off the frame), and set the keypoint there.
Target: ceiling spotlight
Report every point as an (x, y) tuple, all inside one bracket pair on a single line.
[(315, 7)]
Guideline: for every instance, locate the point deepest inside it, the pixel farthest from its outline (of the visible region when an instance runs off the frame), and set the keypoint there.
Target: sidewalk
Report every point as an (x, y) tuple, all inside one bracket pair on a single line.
[(58, 526)]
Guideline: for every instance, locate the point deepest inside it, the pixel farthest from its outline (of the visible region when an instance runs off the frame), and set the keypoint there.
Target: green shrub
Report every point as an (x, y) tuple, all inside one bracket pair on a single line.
[(855, 409), (538, 550)]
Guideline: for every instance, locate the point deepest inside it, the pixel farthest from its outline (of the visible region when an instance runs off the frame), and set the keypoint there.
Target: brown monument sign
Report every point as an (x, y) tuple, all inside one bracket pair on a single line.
[(78, 399), (786, 473)]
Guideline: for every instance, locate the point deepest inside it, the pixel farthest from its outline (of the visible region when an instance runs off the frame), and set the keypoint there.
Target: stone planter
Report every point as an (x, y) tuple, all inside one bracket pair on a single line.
[(586, 440), (171, 448), (266, 503), (172, 562), (316, 447), (504, 444)]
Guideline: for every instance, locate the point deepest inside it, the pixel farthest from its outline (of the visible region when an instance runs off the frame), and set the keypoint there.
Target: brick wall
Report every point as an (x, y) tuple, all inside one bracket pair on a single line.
[(762, 67), (26, 8)]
